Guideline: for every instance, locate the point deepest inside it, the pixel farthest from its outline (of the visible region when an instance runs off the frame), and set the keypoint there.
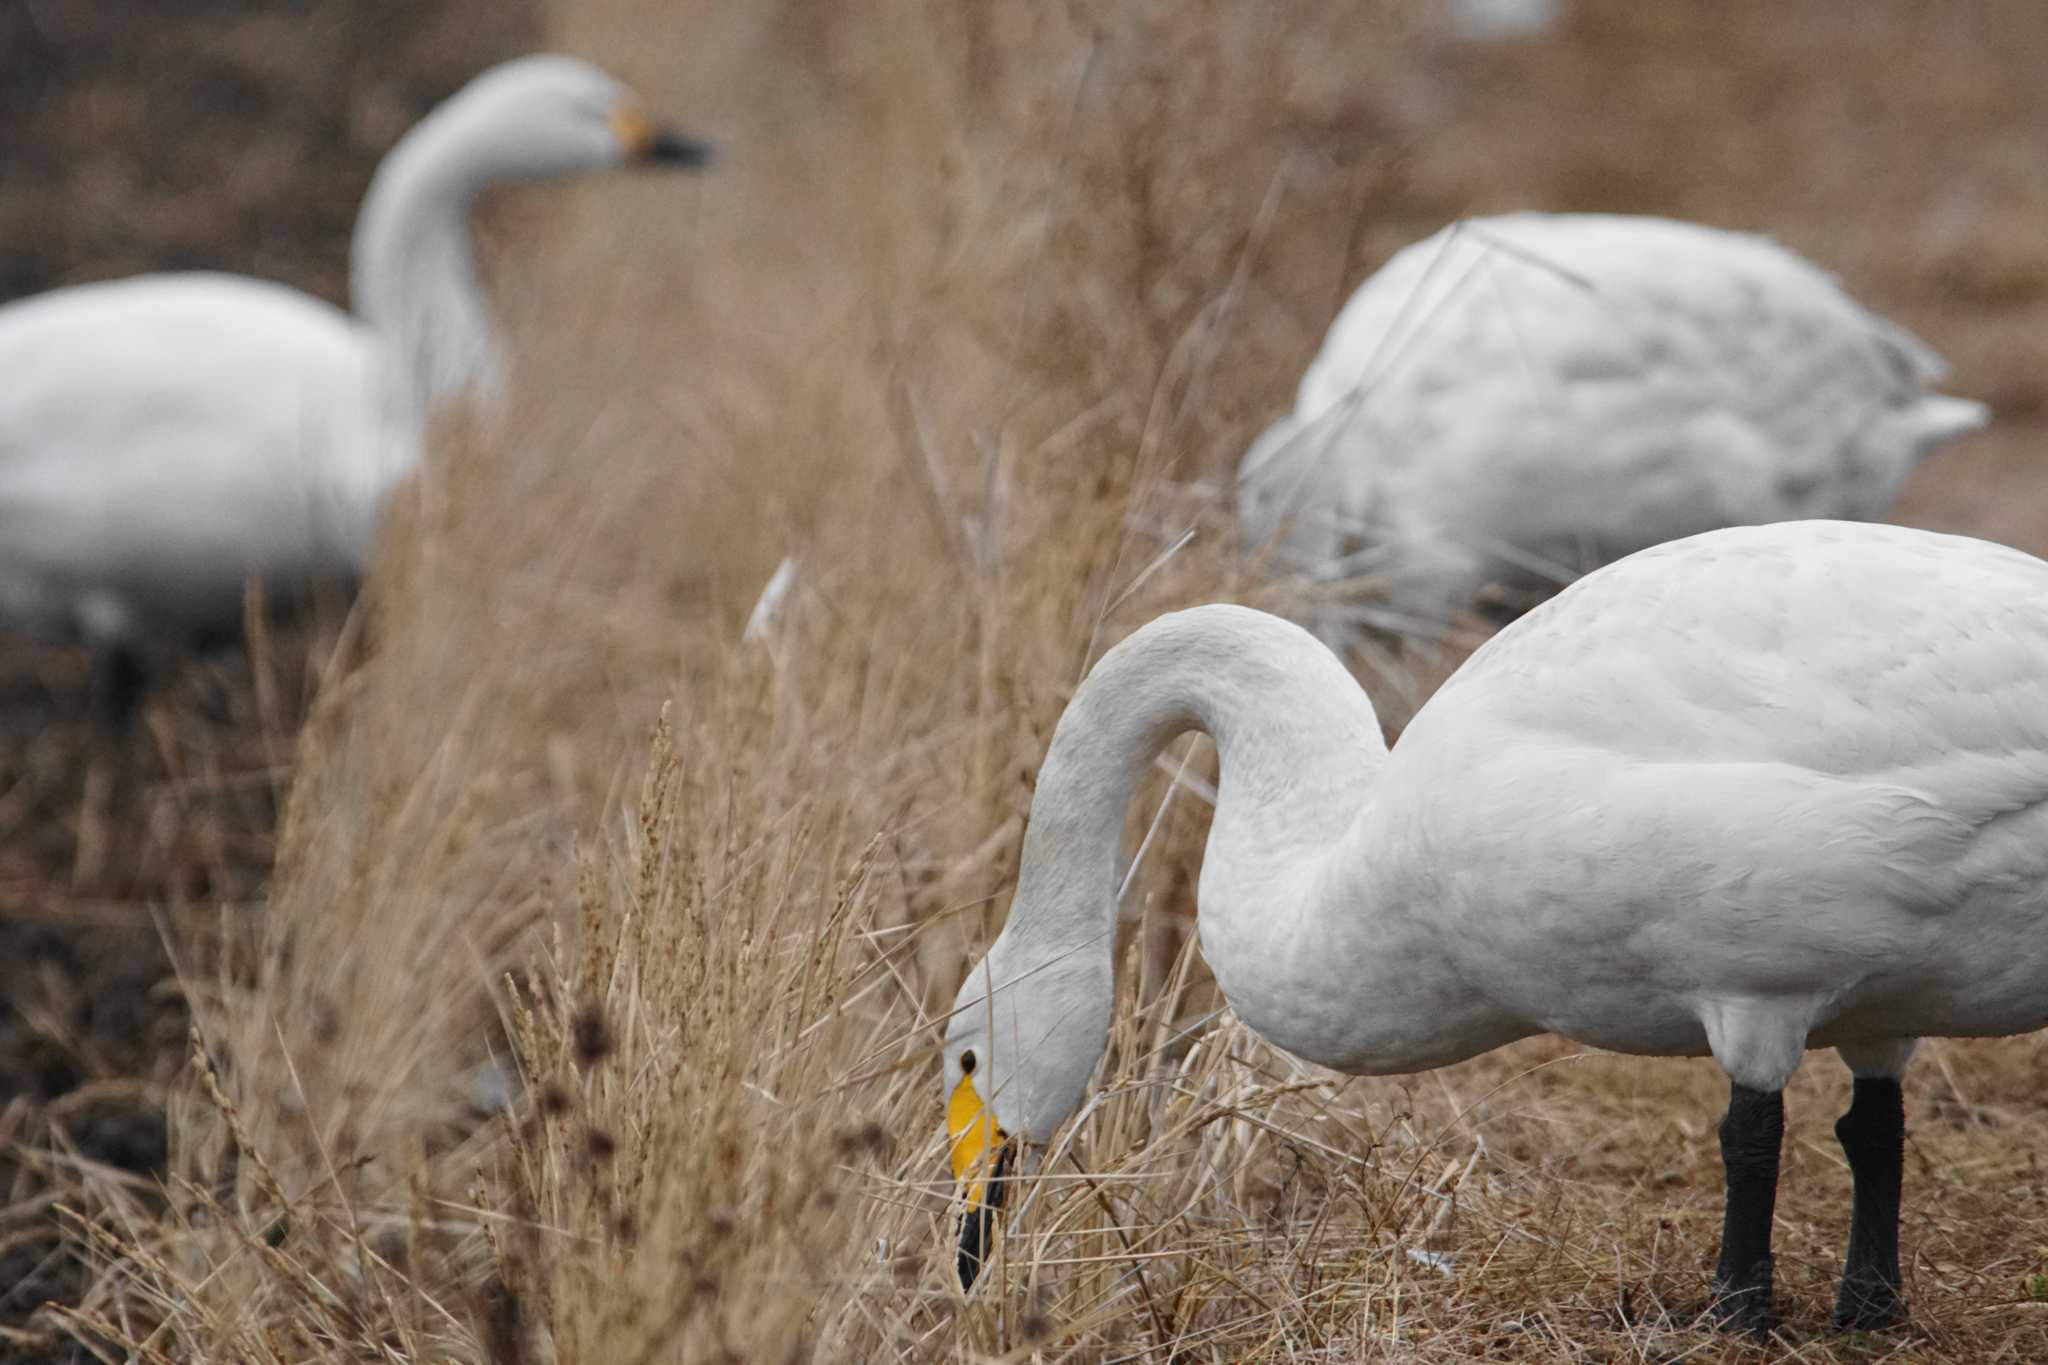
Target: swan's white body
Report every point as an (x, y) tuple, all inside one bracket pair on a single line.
[(1760, 790), (166, 437), (1522, 398)]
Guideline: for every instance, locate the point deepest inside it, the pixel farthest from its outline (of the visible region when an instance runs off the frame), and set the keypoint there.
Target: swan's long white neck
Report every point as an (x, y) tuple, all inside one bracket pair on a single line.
[(1298, 742), (412, 269), (1305, 946)]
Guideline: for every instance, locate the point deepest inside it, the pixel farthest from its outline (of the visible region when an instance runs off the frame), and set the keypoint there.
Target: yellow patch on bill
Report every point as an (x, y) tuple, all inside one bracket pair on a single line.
[(975, 1139)]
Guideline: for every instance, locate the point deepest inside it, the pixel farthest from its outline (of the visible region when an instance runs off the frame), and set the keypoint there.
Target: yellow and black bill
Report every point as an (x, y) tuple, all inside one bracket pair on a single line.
[(982, 1157), (644, 140)]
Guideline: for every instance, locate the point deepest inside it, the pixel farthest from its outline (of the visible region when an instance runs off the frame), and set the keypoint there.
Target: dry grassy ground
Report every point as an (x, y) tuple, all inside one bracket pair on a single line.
[(971, 295)]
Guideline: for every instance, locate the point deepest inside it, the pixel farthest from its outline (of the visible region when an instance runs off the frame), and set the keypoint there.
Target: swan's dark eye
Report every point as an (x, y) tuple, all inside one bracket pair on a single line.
[(967, 1062)]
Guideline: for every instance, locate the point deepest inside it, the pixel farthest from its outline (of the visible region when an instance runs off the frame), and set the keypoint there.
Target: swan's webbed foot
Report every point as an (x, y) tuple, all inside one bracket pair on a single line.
[(1743, 1303), (1868, 1306)]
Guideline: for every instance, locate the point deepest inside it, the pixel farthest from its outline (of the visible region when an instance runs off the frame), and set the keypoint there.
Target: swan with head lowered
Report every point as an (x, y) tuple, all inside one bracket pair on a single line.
[(1517, 399), (166, 437), (1758, 791)]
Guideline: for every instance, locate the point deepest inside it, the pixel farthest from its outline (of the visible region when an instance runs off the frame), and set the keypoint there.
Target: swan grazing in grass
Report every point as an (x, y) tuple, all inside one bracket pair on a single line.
[(1764, 789), (1519, 399), (165, 438)]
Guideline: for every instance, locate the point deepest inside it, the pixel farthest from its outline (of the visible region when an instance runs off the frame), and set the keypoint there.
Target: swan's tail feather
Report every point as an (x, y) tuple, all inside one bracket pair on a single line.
[(1938, 418)]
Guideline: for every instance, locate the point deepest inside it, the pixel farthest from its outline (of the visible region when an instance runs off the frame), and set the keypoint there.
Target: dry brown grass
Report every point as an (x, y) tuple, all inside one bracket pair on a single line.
[(971, 293)]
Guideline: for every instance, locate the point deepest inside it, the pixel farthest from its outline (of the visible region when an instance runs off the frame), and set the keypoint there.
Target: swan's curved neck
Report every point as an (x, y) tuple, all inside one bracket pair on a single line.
[(1298, 742), (1300, 752), (412, 271), (1312, 915)]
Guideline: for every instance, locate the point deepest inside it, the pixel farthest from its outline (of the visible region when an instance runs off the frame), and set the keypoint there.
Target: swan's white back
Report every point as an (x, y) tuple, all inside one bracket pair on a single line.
[(1537, 394)]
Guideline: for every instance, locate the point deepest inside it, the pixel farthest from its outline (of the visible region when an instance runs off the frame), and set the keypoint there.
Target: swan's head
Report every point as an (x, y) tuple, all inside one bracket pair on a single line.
[(1299, 495), (1018, 1060), (545, 116), (1267, 479)]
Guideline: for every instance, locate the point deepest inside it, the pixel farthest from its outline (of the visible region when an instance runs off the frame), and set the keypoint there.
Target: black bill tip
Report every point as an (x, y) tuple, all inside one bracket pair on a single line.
[(670, 148), (978, 1224)]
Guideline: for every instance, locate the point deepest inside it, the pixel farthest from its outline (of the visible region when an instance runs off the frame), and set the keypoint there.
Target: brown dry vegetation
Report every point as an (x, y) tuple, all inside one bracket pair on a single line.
[(972, 292)]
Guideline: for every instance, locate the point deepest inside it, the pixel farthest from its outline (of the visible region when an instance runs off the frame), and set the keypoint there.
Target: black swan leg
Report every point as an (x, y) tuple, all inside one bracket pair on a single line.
[(116, 682), (1873, 1133), (1750, 1137)]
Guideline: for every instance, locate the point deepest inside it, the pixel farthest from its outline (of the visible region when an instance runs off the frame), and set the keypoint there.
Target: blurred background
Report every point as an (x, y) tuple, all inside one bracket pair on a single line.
[(971, 294)]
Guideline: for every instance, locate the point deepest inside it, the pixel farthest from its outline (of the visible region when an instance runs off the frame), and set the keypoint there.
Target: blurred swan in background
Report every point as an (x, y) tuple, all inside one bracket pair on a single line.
[(1761, 790), (1497, 21), (1518, 399), (166, 437)]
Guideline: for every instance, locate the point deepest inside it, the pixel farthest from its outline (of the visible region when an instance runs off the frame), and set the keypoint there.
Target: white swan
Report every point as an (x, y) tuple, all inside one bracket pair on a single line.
[(164, 438), (1765, 789), (1522, 398)]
